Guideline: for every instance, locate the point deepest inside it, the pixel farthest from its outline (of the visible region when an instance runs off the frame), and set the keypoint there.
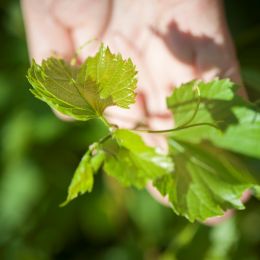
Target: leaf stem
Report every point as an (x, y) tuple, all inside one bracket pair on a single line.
[(105, 138), (184, 125), (103, 119), (175, 129)]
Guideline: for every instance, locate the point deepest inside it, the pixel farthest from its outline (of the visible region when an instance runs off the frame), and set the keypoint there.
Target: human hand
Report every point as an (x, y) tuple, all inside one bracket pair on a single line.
[(170, 41)]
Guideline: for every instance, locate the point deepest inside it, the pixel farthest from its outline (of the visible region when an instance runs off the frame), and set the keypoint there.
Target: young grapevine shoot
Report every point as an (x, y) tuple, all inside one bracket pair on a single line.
[(201, 175)]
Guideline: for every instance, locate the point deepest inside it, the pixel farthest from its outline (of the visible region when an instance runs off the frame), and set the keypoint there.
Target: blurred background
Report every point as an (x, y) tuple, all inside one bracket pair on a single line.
[(38, 154)]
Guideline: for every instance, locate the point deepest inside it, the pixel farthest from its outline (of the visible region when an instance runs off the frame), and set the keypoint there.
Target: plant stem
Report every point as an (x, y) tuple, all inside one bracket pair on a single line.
[(174, 129), (103, 119), (105, 138)]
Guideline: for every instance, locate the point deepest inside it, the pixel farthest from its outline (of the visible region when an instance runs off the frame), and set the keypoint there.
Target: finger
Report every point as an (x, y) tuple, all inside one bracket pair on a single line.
[(93, 19), (164, 72), (164, 200), (229, 213), (219, 219), (198, 47), (45, 35)]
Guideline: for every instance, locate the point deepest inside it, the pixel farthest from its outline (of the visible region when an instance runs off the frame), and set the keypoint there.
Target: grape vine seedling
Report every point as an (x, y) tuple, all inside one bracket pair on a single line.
[(201, 173)]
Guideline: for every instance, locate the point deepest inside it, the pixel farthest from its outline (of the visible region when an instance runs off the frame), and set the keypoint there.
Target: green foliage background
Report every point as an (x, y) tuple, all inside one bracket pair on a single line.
[(38, 155)]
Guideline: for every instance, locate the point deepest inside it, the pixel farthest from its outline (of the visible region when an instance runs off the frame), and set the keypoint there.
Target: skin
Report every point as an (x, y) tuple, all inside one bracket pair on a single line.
[(170, 41)]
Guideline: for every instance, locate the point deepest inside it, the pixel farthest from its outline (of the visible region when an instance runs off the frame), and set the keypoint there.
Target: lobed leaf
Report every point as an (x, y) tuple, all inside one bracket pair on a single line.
[(206, 181), (84, 92), (132, 162), (238, 120)]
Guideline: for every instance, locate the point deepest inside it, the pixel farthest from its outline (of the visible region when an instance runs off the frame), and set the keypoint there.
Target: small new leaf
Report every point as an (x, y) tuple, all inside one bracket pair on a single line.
[(84, 92), (206, 181), (132, 162), (83, 178)]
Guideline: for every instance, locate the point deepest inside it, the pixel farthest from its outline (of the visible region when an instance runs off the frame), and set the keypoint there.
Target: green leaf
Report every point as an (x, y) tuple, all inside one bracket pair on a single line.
[(116, 78), (83, 178), (132, 162), (206, 182), (97, 159), (54, 82), (84, 92), (219, 105)]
